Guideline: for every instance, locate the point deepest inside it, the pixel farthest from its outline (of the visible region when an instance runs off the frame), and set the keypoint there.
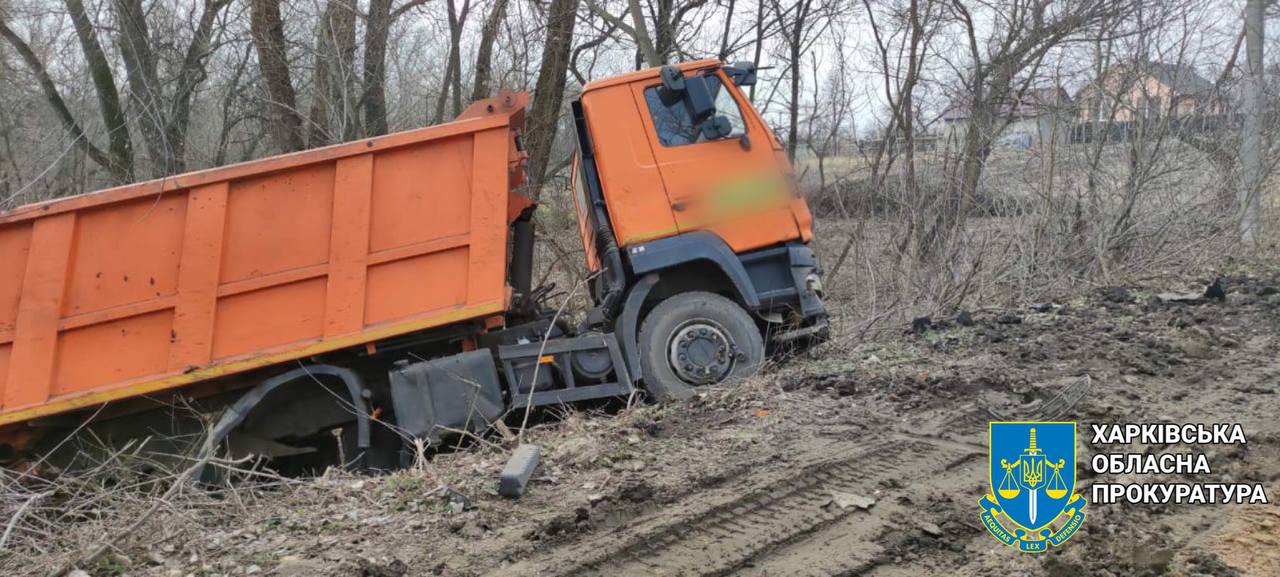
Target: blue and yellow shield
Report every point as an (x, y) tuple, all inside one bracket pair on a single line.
[(1032, 469)]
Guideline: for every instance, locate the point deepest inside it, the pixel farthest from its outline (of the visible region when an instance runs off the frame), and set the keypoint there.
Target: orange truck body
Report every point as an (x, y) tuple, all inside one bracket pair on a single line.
[(154, 286)]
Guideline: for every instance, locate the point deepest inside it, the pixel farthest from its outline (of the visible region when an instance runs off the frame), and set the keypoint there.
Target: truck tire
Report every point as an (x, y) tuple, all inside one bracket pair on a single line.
[(694, 339)]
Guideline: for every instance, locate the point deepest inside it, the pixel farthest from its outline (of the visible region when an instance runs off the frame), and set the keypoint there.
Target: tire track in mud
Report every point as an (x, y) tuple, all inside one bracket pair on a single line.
[(855, 545), (758, 519)]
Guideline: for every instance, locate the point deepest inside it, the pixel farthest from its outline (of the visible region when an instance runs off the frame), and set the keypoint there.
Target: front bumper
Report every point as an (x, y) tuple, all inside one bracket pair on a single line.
[(788, 282)]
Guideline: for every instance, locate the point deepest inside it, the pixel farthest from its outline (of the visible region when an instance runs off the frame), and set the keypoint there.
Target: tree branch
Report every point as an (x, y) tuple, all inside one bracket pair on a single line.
[(80, 139)]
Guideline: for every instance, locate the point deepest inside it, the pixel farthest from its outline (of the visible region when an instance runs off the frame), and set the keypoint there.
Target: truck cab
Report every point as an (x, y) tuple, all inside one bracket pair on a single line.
[(684, 194)]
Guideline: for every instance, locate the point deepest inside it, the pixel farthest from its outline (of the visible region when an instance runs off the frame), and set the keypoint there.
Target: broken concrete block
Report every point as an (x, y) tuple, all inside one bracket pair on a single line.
[(519, 468)]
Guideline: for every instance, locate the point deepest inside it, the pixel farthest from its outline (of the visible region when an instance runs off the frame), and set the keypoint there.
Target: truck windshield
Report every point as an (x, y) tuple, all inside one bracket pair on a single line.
[(674, 124)]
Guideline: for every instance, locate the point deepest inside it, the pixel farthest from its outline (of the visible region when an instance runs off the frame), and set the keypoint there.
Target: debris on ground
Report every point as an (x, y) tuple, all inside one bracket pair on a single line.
[(1216, 290), (1180, 298), (518, 470), (1118, 295), (847, 500), (921, 325)]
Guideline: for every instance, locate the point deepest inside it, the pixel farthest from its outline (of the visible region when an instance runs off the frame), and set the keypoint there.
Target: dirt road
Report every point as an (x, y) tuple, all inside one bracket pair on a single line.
[(864, 460), (906, 432)]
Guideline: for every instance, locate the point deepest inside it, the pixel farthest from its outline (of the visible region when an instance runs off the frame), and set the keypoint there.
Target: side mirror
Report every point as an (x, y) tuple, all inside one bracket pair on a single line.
[(672, 79), (694, 92), (742, 73), (698, 97), (716, 127)]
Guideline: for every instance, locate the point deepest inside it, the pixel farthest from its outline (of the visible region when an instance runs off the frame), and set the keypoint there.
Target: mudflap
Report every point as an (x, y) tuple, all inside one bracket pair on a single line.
[(451, 394)]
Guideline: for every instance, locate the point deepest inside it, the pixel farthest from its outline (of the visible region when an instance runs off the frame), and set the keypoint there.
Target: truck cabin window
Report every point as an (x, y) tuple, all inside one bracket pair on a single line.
[(673, 122)]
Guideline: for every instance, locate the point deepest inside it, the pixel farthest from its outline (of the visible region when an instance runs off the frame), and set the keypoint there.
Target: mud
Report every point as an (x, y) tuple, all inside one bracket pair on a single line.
[(923, 402), (774, 477)]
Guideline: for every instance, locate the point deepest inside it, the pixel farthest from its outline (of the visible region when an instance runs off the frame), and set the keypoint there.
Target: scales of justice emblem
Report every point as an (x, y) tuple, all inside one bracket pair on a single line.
[(1032, 471)]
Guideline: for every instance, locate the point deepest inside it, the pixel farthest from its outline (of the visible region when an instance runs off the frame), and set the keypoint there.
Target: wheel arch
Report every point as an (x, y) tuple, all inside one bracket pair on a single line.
[(699, 257), (237, 412), (696, 261)]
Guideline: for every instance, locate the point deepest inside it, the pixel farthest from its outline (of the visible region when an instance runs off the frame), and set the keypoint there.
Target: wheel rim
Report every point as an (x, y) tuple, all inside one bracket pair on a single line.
[(700, 352)]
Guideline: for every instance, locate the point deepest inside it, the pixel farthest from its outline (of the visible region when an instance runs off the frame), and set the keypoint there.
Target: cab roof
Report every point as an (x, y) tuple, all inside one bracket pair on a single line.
[(647, 73)]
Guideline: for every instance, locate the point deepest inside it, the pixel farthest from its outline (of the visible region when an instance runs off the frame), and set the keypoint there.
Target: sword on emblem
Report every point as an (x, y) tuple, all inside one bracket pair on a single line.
[(1031, 505), (1032, 461)]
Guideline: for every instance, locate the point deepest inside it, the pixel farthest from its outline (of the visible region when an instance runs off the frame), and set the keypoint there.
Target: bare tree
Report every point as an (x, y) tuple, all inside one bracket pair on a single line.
[(484, 54), (669, 17), (382, 14), (333, 116), (548, 95), (638, 29), (1251, 153), (761, 31), (232, 117), (118, 158), (801, 23), (284, 123), (590, 47), (901, 39), (163, 117), (668, 20), (1001, 64), (374, 78), (452, 84)]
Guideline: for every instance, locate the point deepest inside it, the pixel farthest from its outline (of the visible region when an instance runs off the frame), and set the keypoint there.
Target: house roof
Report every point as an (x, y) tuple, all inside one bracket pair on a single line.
[(1033, 102), (1180, 78)]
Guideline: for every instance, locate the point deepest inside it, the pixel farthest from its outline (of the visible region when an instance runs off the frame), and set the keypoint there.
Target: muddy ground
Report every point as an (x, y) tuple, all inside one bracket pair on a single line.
[(864, 459)]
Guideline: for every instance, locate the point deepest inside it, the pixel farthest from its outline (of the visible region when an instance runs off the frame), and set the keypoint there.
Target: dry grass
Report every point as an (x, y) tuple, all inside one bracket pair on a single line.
[(259, 519), (1047, 226)]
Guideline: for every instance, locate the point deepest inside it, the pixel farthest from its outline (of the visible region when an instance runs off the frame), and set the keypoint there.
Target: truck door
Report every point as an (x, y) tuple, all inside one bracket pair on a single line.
[(732, 187)]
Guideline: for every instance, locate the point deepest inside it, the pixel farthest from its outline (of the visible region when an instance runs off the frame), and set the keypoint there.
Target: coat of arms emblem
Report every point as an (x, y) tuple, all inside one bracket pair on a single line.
[(1032, 503)]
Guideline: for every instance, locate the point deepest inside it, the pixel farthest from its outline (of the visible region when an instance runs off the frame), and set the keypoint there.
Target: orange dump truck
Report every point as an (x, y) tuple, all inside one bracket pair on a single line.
[(381, 289)]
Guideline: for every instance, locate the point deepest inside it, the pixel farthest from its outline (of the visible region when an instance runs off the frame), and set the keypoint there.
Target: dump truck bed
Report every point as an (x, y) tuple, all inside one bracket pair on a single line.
[(158, 285)]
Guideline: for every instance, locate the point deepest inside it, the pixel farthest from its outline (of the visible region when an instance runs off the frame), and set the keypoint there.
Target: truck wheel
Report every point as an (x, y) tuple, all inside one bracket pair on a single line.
[(694, 339)]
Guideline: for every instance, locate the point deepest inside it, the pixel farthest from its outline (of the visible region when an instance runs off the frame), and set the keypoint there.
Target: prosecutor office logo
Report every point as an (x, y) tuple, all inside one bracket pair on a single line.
[(1032, 503)]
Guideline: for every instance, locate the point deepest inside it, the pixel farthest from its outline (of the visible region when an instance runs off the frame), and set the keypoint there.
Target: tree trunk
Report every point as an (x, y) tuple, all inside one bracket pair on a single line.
[(643, 40), (1251, 154), (794, 44), (163, 119), (284, 123), (664, 33), (457, 24), (191, 75), (724, 38), (484, 54), (794, 37), (453, 67), (548, 94), (759, 48), (907, 113), (120, 147), (144, 87), (332, 117), (955, 202), (375, 72)]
